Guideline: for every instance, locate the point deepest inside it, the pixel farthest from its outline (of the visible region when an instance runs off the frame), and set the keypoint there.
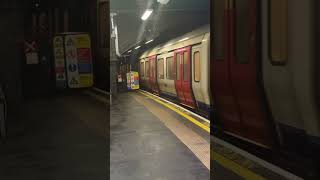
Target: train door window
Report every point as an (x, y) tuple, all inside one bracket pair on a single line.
[(242, 31), (178, 66), (278, 31), (142, 69), (147, 69), (218, 29), (169, 62), (161, 68), (186, 70), (197, 68)]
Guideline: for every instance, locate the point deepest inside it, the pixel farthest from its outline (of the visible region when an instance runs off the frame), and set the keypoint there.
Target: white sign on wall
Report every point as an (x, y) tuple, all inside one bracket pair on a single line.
[(72, 62)]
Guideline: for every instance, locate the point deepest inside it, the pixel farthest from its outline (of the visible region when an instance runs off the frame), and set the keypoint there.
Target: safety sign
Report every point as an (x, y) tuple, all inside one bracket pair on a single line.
[(79, 60), (73, 60), (72, 67), (59, 62), (31, 52), (133, 80)]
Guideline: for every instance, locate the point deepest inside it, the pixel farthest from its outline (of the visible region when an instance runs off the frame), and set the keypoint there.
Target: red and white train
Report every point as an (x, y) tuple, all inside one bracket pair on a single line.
[(257, 69), (179, 70)]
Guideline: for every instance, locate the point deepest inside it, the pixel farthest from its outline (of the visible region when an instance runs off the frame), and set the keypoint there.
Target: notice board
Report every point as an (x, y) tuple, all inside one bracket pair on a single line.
[(77, 60)]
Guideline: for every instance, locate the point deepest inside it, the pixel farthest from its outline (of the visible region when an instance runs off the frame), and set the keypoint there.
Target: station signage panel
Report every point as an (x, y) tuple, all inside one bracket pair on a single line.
[(133, 80), (60, 71), (78, 61)]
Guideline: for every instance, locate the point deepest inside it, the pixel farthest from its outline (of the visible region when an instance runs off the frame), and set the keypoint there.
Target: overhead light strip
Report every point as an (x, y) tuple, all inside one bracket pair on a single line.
[(146, 14), (149, 41)]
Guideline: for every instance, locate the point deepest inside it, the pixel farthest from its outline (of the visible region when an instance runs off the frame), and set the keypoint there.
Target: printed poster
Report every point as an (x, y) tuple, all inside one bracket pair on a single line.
[(59, 62), (133, 80), (79, 60)]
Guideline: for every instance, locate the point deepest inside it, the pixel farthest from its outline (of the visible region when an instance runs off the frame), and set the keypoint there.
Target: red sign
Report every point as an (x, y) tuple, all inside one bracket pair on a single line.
[(84, 55), (60, 69), (30, 47)]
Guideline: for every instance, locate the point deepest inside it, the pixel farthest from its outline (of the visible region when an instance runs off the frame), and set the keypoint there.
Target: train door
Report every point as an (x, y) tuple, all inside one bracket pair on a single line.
[(153, 74), (243, 94), (182, 62)]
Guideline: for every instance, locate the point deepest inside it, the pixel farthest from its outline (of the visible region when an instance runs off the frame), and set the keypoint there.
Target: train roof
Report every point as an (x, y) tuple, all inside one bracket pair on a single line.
[(193, 37)]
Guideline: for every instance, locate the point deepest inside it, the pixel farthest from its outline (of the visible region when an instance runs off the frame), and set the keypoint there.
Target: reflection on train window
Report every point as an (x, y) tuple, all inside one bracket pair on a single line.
[(147, 69), (160, 68), (178, 67), (186, 70), (242, 31), (278, 31), (169, 68), (197, 70), (142, 69), (218, 29)]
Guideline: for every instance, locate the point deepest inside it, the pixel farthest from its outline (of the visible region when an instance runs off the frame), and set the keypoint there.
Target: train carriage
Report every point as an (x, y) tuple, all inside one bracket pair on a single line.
[(261, 73), (181, 67)]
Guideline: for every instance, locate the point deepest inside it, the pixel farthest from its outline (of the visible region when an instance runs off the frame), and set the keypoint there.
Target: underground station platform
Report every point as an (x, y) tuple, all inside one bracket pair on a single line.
[(152, 138)]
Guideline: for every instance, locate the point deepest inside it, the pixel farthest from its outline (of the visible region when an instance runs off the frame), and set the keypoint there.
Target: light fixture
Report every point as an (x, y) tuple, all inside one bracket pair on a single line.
[(149, 41), (137, 47), (129, 51), (168, 45), (183, 39), (163, 1), (146, 14)]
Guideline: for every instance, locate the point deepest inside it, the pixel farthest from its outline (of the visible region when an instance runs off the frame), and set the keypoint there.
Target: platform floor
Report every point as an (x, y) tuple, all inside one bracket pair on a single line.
[(144, 146), (66, 137), (58, 138)]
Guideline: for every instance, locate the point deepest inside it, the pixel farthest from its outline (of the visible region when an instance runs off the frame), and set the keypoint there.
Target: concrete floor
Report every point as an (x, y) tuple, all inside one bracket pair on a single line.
[(56, 139), (143, 148)]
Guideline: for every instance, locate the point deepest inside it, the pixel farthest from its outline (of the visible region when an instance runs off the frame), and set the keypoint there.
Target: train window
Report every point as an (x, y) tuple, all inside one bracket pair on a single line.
[(161, 68), (169, 67), (197, 68), (218, 29), (186, 70), (178, 67), (142, 69), (147, 68), (278, 31), (242, 31)]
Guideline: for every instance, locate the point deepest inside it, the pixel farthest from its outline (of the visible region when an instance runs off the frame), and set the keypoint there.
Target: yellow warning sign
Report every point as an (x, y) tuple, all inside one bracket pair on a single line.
[(86, 80), (82, 41)]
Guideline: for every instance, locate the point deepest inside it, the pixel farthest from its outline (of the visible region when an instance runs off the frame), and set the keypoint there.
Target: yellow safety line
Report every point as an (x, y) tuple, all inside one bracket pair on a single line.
[(226, 163), (194, 121), (234, 167)]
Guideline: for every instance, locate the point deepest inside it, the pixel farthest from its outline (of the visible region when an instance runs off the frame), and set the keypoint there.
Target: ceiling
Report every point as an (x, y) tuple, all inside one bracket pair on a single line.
[(167, 21)]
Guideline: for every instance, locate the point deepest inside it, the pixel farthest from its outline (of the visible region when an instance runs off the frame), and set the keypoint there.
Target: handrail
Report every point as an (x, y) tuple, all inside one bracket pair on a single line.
[(104, 92)]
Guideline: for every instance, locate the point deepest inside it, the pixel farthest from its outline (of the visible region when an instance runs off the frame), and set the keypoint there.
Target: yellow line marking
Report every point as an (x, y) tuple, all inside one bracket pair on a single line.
[(226, 163), (234, 167), (194, 121)]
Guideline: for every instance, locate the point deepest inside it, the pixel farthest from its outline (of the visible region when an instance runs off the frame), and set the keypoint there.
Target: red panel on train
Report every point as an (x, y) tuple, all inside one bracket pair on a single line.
[(237, 93), (153, 74), (182, 62)]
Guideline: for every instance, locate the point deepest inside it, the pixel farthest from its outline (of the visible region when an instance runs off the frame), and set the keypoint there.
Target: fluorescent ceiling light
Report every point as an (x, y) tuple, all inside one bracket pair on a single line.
[(137, 47), (129, 51), (163, 1), (183, 39), (146, 14), (168, 45), (149, 41)]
